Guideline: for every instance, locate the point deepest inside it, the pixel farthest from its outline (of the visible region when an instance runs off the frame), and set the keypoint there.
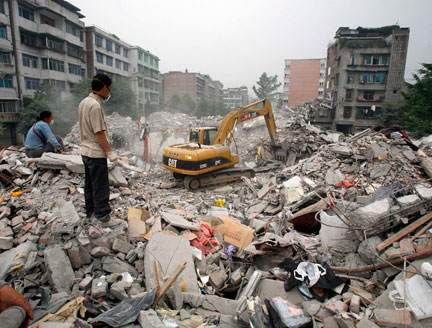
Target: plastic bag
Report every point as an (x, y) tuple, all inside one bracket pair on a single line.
[(291, 315)]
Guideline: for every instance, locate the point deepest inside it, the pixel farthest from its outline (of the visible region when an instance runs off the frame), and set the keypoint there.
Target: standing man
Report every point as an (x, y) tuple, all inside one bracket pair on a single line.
[(95, 149)]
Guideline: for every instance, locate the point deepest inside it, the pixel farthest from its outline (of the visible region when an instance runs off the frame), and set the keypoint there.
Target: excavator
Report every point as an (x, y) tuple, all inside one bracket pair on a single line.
[(207, 159)]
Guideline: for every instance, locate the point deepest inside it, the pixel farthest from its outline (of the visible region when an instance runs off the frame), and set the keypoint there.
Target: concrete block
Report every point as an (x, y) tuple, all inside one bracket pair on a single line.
[(118, 292), (59, 269), (100, 252), (335, 305), (150, 318), (121, 246), (367, 216), (211, 302), (99, 287), (85, 283), (367, 250), (116, 178), (113, 264), (6, 243), (355, 304), (424, 191), (169, 251), (78, 256), (269, 288), (330, 322)]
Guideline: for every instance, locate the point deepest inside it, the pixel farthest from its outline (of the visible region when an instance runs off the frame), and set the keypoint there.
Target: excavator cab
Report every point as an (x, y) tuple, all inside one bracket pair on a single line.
[(202, 136)]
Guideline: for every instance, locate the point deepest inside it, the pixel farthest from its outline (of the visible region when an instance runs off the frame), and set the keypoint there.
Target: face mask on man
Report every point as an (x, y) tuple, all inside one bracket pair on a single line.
[(52, 122), (106, 99)]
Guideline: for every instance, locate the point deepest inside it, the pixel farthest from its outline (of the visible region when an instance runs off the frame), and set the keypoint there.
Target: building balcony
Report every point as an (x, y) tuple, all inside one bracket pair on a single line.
[(48, 29), (375, 99), (7, 68)]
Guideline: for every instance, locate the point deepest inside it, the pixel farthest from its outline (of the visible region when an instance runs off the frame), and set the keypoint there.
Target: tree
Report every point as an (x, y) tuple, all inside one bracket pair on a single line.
[(267, 86), (123, 100), (414, 112), (44, 99), (189, 103)]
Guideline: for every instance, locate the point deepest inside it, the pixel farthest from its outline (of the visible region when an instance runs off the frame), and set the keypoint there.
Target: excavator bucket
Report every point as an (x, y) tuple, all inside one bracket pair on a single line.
[(279, 153)]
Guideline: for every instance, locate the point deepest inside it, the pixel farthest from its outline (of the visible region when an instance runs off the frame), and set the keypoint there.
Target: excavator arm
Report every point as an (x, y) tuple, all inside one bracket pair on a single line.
[(238, 116)]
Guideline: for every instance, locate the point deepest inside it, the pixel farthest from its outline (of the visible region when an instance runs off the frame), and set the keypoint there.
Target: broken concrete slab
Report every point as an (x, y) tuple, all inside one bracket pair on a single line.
[(367, 216), (212, 302), (113, 264), (169, 251), (179, 221), (380, 171), (269, 288), (60, 161), (9, 261), (150, 318), (334, 177), (59, 268), (393, 318), (424, 191), (116, 178)]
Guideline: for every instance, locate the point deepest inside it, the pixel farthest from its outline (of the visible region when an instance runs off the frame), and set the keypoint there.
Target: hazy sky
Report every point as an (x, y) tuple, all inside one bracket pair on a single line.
[(234, 41)]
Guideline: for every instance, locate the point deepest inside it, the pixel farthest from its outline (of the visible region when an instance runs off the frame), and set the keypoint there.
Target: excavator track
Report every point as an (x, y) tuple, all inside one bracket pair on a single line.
[(217, 177)]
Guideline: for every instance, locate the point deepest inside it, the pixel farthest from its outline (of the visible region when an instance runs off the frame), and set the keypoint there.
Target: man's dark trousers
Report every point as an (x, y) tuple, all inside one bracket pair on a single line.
[(96, 187)]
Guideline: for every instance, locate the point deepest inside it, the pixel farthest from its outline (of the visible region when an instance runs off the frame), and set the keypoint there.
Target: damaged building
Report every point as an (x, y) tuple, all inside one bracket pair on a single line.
[(365, 68)]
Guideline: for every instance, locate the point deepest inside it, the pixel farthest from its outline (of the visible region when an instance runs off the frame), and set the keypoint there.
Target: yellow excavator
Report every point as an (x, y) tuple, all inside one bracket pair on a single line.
[(207, 159)]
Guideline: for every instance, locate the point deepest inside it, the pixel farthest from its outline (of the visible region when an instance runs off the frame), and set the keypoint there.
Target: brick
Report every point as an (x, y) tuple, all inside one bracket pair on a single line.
[(121, 246), (85, 283), (393, 318), (6, 232), (27, 227), (99, 287), (17, 220), (334, 305)]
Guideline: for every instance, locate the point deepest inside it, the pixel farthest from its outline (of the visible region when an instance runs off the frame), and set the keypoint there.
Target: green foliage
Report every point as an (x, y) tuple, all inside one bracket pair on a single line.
[(2, 128), (384, 30), (44, 99), (267, 86), (414, 112), (123, 100), (363, 43), (206, 108)]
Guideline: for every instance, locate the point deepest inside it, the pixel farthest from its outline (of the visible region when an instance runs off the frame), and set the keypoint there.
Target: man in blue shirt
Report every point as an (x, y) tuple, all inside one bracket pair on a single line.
[(40, 139)]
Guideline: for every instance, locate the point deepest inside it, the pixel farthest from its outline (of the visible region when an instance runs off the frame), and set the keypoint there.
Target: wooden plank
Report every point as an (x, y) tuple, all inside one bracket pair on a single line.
[(168, 283), (413, 226), (158, 276), (422, 231)]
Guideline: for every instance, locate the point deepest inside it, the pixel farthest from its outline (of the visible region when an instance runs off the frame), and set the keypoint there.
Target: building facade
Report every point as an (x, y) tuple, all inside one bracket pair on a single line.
[(144, 78), (236, 97), (365, 68), (40, 40), (197, 86), (106, 54), (304, 80)]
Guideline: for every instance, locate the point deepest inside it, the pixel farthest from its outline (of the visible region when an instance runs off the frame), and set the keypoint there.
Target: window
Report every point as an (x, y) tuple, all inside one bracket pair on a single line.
[(5, 58), (348, 94), (52, 43), (99, 57), (74, 69), (146, 58), (28, 39), (347, 112), (381, 77), (98, 40), (368, 112), (350, 78), (375, 60), (366, 78), (287, 66), (82, 72), (320, 93), (58, 85), (151, 61), (47, 20), (32, 84), (322, 65), (156, 62), (321, 74), (71, 28), (125, 67), (352, 59), (118, 64), (109, 60), (125, 52), (3, 32), (6, 82), (74, 50), (368, 95), (7, 107), (321, 84), (25, 12), (29, 61), (2, 10), (140, 55), (117, 49), (108, 45), (52, 64)]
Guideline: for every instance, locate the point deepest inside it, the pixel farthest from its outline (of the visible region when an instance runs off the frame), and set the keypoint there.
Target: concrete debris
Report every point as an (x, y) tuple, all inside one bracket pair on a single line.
[(353, 204)]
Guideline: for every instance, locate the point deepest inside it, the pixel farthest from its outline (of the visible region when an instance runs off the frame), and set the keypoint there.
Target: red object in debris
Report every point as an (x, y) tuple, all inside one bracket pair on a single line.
[(204, 238), (346, 183)]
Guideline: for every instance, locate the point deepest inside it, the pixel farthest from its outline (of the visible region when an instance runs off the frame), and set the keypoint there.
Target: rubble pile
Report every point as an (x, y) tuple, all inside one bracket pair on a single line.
[(332, 238)]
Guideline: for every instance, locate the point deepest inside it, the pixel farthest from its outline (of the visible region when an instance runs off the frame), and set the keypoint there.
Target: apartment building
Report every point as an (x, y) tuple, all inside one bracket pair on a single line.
[(197, 86), (236, 97), (40, 40), (144, 78), (365, 68), (106, 54), (304, 80)]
